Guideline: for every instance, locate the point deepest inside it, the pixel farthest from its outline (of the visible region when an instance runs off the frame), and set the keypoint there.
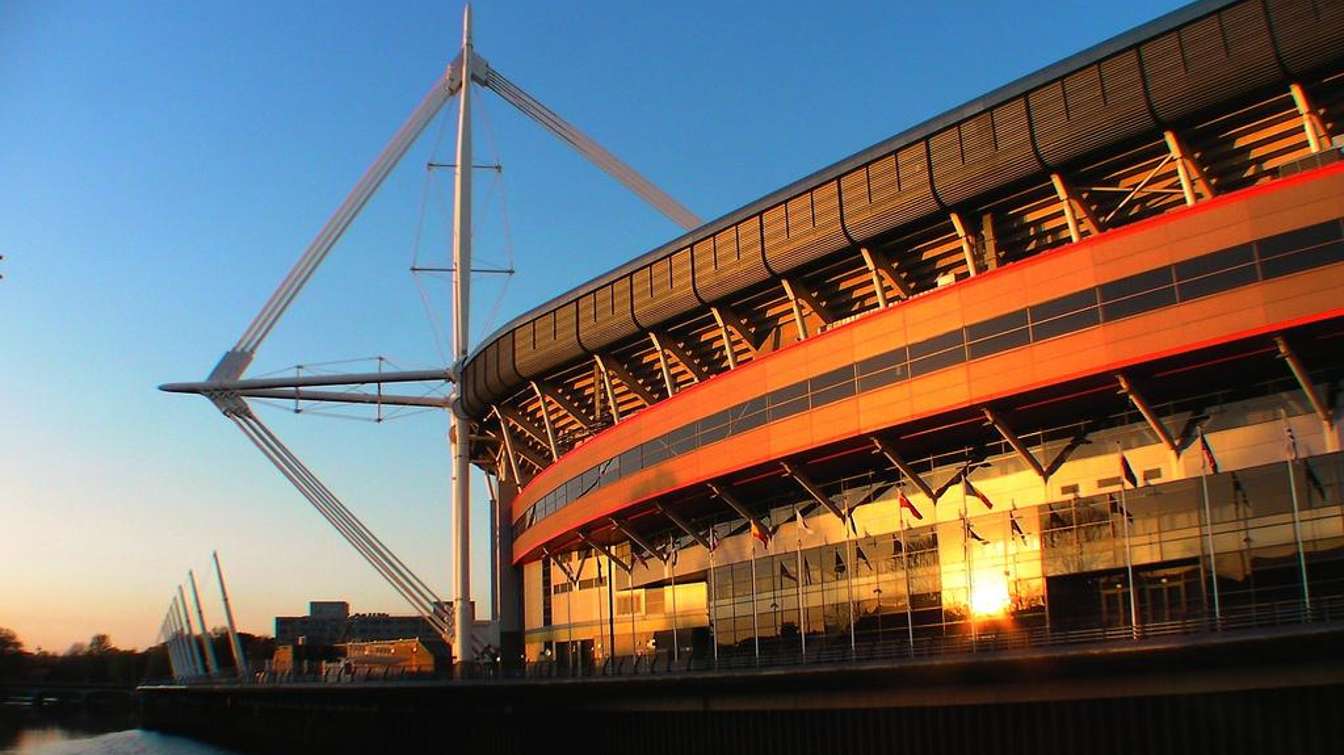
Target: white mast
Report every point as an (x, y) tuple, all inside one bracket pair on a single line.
[(239, 657), (459, 435), (211, 665)]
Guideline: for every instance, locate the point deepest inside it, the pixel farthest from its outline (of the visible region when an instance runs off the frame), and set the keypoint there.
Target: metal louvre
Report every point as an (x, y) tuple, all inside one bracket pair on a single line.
[(811, 229), (730, 261), (1209, 61), (554, 341), (606, 315), (985, 151), (1308, 33), (664, 289), (1220, 52), (1089, 109)]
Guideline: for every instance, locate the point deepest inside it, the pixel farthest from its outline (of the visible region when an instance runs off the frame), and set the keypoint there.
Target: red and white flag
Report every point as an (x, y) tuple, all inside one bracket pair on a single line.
[(907, 505)]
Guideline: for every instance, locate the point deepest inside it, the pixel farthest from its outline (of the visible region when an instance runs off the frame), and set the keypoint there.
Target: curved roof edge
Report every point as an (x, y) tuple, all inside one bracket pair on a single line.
[(997, 96)]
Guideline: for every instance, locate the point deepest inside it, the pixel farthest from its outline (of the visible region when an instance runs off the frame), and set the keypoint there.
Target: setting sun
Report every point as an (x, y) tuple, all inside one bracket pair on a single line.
[(989, 596)]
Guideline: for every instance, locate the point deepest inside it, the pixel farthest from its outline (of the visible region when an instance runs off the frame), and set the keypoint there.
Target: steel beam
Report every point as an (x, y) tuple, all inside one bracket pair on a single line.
[(799, 295), (663, 368), (990, 240), (354, 378), (1073, 207), (967, 239), (880, 266), (508, 448), (730, 320), (1017, 444), (604, 550), (633, 537), (812, 490), (682, 524), (523, 423), (1128, 389), (1304, 380), (1187, 170), (623, 374), (566, 406), (723, 494), (1317, 135), (889, 451), (338, 397), (546, 420), (682, 355), (604, 378)]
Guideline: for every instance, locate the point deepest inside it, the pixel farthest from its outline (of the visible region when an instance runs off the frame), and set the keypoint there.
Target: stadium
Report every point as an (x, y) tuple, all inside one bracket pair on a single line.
[(1059, 365)]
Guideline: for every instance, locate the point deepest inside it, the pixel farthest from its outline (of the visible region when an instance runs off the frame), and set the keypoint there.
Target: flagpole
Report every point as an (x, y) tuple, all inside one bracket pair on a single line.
[(909, 599), (1291, 450), (1129, 562), (630, 588), (1208, 532), (672, 569), (966, 559), (597, 598), (802, 612), (713, 596), (849, 573), (755, 626)]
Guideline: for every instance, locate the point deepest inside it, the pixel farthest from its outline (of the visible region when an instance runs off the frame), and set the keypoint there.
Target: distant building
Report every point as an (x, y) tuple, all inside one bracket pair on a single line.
[(331, 623)]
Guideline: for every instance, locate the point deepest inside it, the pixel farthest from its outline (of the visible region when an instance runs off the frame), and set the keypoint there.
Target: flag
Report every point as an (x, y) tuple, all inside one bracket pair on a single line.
[(974, 491), (1127, 472), (760, 533), (784, 573), (1239, 495), (713, 539), (802, 524), (807, 572), (1017, 527), (1314, 481), (907, 505), (1210, 462), (863, 557), (1291, 442), (839, 563), (849, 517), (1119, 508), (972, 534)]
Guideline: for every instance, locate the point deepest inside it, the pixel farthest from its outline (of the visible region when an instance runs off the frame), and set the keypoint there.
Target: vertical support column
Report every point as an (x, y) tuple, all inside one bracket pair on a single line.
[(197, 667), (1187, 170), (211, 664), (239, 657), (967, 242), (459, 431), (1317, 136)]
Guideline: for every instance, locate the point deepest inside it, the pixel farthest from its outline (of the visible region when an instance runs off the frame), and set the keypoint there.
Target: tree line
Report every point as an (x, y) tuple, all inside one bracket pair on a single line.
[(99, 661)]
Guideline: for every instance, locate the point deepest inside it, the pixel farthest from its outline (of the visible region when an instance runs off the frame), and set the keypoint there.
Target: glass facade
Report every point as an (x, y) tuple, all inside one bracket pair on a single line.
[(1245, 264)]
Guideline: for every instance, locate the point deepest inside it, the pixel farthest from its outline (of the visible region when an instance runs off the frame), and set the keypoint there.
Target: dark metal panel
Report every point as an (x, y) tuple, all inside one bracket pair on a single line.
[(887, 193), (1097, 106), (605, 315), (986, 151), (730, 260), (554, 341), (1309, 33), (664, 289), (505, 370), (811, 229), (1210, 60)]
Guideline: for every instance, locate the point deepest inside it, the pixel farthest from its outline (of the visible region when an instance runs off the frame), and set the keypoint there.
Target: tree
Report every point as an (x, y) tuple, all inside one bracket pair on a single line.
[(100, 644), (9, 642)]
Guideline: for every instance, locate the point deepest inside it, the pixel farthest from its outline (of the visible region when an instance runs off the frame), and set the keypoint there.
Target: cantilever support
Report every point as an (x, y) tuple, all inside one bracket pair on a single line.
[(1007, 432), (1187, 170), (1304, 380), (1317, 134), (967, 238), (889, 451), (546, 420), (633, 537), (1160, 430), (604, 550), (682, 524), (723, 494), (812, 490)]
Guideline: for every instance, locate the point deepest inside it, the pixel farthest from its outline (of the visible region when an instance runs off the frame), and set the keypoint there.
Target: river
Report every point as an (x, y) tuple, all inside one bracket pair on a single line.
[(27, 733)]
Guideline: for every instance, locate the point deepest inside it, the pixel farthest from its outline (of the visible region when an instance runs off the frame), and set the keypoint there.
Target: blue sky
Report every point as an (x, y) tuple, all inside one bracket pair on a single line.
[(163, 164)]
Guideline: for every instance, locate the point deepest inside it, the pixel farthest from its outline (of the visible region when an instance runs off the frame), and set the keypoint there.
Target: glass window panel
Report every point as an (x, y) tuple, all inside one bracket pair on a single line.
[(885, 377), (893, 358), (1212, 284), (779, 411), (1216, 262), (717, 419), (1299, 239), (952, 339), (654, 452), (1135, 284), (827, 379), (748, 415), (631, 461), (1059, 326), (997, 325), (994, 345), (1305, 260), (1162, 297), (833, 393), (1064, 305), (937, 361), (787, 393)]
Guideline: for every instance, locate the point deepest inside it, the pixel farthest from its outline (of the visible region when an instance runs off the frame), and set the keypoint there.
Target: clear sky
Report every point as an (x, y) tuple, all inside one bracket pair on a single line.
[(163, 164)]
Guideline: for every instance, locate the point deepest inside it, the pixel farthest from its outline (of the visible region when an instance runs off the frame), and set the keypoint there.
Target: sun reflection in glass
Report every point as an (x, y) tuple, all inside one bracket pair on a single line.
[(989, 595)]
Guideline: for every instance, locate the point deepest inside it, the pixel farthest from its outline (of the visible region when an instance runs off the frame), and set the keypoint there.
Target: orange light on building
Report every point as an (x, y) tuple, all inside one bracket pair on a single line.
[(989, 595)]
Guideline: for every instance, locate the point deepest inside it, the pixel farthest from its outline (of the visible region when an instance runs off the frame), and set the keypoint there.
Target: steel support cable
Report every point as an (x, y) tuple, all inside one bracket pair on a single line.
[(342, 517), (443, 88), (380, 565), (373, 550), (361, 547), (590, 149)]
